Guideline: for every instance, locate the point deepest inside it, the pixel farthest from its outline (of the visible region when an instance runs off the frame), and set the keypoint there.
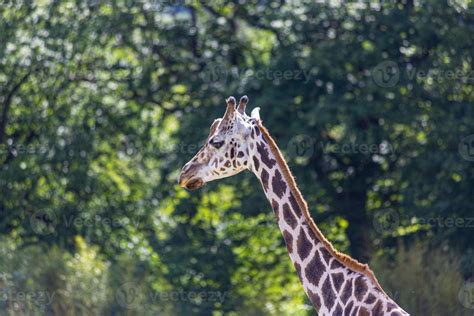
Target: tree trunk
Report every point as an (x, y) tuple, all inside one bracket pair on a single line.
[(352, 205)]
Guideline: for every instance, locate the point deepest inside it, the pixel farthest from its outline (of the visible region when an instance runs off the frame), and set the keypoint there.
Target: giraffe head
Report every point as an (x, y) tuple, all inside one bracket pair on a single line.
[(226, 151)]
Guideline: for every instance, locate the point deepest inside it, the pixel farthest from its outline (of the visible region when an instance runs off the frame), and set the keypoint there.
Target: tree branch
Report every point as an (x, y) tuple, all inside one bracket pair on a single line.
[(7, 103)]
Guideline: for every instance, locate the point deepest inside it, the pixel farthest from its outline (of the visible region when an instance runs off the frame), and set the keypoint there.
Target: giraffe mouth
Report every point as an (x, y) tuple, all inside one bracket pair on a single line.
[(194, 183)]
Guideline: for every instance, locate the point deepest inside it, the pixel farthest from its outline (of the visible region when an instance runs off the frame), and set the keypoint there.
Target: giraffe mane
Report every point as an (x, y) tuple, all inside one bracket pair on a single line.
[(344, 259)]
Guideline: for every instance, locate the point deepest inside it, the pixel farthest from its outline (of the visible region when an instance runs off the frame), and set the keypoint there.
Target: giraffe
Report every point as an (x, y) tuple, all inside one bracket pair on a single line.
[(335, 283)]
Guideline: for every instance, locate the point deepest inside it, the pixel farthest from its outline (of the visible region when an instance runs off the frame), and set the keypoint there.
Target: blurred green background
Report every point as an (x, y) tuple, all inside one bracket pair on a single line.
[(103, 101)]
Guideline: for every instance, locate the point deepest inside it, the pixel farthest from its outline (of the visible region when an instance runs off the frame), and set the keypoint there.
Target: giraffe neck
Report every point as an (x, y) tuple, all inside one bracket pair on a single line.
[(333, 282)]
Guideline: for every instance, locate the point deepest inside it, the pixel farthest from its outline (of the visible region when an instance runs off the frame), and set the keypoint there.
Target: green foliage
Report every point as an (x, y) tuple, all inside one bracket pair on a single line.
[(261, 278), (34, 281), (423, 281), (102, 102)]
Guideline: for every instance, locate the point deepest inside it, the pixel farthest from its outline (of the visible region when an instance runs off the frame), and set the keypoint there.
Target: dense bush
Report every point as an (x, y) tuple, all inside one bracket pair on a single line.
[(424, 281), (102, 102)]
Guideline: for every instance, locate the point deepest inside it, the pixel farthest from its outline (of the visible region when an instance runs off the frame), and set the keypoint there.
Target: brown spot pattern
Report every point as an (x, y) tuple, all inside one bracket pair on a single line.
[(391, 306), (378, 309), (298, 270), (355, 312), (328, 293), (326, 255), (336, 264), (278, 185), (276, 209), (363, 311), (257, 130), (337, 280), (265, 156), (304, 245), (295, 205), (370, 299), (264, 177), (314, 298), (347, 310), (288, 216), (314, 270), (256, 163), (338, 310), (360, 288), (288, 240), (311, 233), (347, 291)]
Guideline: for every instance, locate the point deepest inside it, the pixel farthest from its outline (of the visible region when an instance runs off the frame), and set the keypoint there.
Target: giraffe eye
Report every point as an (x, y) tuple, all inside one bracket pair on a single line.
[(216, 144)]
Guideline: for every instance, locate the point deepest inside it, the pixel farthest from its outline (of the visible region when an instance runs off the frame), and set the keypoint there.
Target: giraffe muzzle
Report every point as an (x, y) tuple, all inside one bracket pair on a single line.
[(188, 178), (191, 183)]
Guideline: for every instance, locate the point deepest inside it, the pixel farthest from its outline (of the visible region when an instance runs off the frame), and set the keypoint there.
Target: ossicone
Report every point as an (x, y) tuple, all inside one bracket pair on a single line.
[(230, 108), (242, 104)]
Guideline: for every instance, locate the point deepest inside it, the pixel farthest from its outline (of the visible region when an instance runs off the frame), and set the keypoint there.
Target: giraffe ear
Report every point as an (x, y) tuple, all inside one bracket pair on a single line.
[(255, 113), (214, 126)]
